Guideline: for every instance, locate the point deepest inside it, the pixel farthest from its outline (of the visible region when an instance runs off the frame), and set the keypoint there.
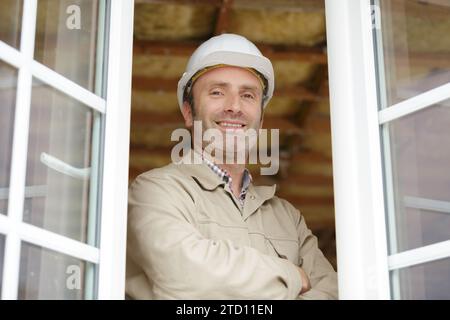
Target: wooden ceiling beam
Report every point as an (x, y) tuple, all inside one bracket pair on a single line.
[(286, 5), (273, 52), (216, 3), (223, 18), (154, 84), (299, 93), (291, 5), (295, 53), (159, 47), (152, 119)]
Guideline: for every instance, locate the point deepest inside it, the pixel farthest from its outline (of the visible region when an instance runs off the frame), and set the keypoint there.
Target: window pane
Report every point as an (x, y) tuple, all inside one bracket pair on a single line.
[(46, 274), (425, 281), (2, 253), (8, 86), (421, 177), (59, 174), (10, 22), (67, 40), (416, 46)]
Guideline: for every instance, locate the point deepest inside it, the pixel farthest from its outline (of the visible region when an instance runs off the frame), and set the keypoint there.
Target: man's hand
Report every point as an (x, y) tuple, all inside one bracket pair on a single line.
[(306, 285)]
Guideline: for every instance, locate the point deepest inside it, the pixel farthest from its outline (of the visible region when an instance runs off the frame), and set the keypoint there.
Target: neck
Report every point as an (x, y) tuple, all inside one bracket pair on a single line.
[(236, 171)]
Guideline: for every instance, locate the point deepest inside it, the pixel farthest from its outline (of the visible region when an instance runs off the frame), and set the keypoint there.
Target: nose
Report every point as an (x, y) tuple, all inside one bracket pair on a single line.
[(233, 103)]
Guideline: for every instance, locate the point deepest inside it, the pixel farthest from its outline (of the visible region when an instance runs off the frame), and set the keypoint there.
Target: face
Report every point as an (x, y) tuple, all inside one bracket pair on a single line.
[(228, 99)]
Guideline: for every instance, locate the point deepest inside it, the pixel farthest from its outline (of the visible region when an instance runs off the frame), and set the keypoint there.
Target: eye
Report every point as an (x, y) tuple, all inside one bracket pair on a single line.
[(216, 92), (248, 96)]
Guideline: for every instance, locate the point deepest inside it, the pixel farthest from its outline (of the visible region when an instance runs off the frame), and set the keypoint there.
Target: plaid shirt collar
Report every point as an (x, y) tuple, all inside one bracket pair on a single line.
[(223, 174)]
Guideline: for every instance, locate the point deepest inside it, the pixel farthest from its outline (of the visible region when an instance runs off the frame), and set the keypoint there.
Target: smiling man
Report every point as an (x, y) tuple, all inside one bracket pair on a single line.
[(227, 99), (201, 229)]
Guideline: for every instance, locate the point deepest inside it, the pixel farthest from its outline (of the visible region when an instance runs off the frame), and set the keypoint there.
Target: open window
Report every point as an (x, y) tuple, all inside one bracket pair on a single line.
[(390, 90), (65, 87), (65, 80)]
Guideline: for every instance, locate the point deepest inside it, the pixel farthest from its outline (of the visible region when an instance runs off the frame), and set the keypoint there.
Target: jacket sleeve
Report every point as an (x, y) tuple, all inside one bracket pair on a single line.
[(179, 263), (321, 274)]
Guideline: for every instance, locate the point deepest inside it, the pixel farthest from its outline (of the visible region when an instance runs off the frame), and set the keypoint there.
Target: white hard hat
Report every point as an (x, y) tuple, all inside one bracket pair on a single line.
[(227, 49)]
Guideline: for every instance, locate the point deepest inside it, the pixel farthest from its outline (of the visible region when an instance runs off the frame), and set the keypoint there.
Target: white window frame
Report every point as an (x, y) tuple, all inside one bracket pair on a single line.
[(117, 149), (357, 128), (110, 256), (357, 165)]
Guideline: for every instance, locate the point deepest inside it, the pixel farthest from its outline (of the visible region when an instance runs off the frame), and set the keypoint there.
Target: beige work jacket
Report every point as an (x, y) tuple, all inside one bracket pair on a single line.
[(188, 238)]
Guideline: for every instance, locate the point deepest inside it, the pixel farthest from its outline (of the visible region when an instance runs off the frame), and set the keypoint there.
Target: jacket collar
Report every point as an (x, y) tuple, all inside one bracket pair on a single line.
[(199, 170), (208, 180)]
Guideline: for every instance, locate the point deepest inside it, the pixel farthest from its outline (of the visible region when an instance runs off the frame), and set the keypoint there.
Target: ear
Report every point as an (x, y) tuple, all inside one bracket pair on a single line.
[(187, 114)]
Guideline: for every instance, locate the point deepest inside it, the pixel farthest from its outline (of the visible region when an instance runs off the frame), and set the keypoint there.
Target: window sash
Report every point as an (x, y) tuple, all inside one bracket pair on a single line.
[(110, 256), (357, 129)]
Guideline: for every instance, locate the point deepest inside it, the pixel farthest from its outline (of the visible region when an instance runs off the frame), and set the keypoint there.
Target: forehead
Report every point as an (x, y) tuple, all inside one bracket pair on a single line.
[(234, 76)]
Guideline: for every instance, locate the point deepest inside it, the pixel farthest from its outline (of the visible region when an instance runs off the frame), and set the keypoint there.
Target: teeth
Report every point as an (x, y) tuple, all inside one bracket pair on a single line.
[(231, 125)]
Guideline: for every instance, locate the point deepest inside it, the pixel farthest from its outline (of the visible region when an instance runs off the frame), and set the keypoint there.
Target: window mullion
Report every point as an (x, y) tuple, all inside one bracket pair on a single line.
[(419, 102), (53, 241), (420, 255), (67, 86)]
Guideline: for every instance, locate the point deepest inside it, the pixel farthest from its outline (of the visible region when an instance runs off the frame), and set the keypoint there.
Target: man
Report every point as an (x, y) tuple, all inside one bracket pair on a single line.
[(203, 230)]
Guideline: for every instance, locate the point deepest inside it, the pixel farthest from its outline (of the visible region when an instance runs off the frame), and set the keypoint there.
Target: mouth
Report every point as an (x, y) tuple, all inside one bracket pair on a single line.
[(230, 125)]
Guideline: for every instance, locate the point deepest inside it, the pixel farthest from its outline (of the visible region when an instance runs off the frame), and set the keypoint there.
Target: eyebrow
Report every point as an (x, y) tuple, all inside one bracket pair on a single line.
[(227, 84), (247, 87), (218, 84)]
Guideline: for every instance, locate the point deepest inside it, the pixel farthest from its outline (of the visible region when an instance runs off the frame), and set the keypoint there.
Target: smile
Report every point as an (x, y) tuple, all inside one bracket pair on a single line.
[(230, 125)]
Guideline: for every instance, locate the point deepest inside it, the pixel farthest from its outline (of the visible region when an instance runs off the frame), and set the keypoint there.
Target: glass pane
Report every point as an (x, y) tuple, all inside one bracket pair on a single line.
[(429, 281), (69, 39), (2, 253), (10, 22), (421, 178), (8, 86), (58, 195), (416, 46), (46, 274)]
